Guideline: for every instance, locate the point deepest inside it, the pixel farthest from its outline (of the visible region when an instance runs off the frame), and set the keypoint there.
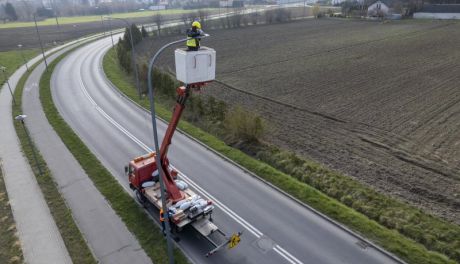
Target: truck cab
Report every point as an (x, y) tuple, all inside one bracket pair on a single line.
[(145, 183)]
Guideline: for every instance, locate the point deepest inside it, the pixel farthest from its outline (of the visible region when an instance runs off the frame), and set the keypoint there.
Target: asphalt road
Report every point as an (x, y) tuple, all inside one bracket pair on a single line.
[(276, 229)]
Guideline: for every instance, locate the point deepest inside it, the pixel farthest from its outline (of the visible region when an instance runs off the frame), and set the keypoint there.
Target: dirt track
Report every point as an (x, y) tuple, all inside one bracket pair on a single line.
[(379, 102)]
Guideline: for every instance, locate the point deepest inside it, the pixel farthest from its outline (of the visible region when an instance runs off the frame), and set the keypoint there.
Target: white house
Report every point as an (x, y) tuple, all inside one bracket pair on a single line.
[(443, 11), (378, 9)]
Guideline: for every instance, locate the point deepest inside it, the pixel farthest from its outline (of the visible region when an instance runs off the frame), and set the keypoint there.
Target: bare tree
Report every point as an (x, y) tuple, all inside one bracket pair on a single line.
[(192, 16), (254, 18), (158, 21), (3, 15), (203, 16), (27, 9), (185, 19)]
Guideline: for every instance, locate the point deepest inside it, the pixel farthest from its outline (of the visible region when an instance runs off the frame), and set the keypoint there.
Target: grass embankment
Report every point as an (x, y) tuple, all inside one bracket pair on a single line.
[(10, 246), (73, 239), (83, 19), (135, 218), (12, 60), (391, 240)]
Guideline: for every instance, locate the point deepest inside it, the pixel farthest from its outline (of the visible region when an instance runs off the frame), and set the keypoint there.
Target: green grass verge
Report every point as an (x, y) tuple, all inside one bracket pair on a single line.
[(73, 239), (10, 246), (135, 218), (12, 60), (434, 233), (391, 240), (83, 19)]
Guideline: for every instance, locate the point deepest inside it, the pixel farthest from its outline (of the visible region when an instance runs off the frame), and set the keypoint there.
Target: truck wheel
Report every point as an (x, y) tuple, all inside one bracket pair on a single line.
[(140, 197)]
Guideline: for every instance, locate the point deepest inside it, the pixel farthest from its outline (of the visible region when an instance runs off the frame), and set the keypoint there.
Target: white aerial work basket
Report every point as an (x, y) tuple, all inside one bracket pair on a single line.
[(195, 66)]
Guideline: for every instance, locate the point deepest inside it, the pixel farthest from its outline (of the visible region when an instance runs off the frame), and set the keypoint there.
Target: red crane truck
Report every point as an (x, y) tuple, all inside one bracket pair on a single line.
[(185, 207)]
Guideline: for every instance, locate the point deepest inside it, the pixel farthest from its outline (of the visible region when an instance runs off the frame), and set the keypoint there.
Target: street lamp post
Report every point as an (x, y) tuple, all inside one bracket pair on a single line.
[(22, 55), (58, 28), (102, 22), (157, 147), (111, 35), (3, 69), (40, 40), (21, 118), (133, 54)]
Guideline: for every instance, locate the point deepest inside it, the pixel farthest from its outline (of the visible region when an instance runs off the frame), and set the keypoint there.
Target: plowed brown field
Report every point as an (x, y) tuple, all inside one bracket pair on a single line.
[(377, 101)]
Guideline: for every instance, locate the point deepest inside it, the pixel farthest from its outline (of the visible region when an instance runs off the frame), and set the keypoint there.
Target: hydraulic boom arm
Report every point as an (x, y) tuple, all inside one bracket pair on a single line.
[(182, 95)]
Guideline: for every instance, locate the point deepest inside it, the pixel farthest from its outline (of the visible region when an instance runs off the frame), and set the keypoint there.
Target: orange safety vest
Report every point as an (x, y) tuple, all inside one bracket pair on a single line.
[(162, 219)]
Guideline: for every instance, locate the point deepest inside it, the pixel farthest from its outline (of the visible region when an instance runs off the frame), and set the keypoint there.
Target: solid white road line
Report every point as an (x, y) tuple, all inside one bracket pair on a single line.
[(277, 248)]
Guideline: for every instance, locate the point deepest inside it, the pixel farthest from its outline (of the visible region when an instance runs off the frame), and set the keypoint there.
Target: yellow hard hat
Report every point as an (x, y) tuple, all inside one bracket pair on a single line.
[(196, 24)]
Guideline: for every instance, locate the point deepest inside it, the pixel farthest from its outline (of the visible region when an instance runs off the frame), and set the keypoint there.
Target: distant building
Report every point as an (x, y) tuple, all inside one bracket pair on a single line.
[(231, 3), (378, 9), (157, 7), (443, 11), (285, 2), (226, 3), (337, 2)]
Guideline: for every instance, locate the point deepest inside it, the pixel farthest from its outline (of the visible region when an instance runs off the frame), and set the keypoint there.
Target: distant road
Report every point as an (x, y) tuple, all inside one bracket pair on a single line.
[(11, 37)]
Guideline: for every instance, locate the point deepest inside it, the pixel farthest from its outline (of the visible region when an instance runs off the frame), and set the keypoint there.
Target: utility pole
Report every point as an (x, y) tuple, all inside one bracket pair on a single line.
[(3, 69), (103, 26), (21, 118), (22, 55), (40, 40), (60, 38), (111, 35), (133, 53)]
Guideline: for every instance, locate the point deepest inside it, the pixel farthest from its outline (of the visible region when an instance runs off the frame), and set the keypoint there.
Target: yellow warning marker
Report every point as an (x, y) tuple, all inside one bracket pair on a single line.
[(234, 240)]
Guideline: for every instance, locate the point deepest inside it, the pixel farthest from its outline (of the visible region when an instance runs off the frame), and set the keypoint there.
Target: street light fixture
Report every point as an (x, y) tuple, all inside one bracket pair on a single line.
[(157, 147), (22, 55), (3, 69), (58, 28), (21, 119), (133, 53)]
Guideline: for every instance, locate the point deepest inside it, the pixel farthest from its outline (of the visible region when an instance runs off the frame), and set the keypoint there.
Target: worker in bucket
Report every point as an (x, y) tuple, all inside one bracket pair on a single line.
[(193, 42)]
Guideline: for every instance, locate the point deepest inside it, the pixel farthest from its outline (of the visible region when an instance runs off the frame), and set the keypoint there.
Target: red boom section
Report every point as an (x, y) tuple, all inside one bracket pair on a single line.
[(174, 193)]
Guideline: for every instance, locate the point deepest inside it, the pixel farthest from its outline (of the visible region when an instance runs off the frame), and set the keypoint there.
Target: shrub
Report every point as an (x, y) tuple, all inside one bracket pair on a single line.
[(144, 32), (236, 20), (254, 18), (241, 125), (215, 110), (123, 55), (316, 11), (269, 16), (282, 15), (137, 37)]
